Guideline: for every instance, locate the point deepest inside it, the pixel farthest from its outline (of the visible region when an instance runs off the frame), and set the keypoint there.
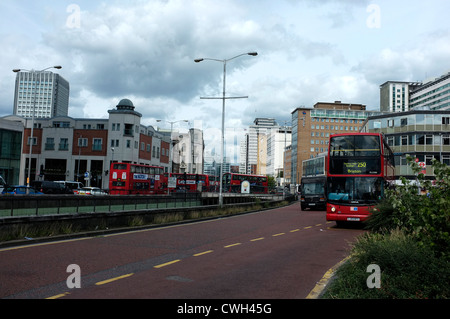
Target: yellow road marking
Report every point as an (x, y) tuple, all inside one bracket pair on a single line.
[(112, 279), (256, 239), (307, 227), (320, 286), (167, 264), (228, 246), (203, 253), (278, 234), (294, 230), (58, 296), (45, 244), (318, 224)]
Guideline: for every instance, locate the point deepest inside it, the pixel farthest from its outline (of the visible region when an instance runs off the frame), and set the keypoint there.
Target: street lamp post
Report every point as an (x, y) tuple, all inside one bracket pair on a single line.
[(223, 98), (34, 79)]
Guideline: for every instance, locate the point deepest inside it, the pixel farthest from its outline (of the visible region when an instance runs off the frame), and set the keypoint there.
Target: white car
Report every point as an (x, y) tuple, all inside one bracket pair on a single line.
[(91, 191)]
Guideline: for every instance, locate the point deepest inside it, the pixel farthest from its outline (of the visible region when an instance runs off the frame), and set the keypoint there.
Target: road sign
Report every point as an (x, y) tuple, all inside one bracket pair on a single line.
[(245, 187), (172, 182)]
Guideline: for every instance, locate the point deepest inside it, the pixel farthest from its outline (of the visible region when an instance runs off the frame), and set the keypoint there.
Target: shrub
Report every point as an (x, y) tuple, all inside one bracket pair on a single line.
[(408, 270), (424, 216)]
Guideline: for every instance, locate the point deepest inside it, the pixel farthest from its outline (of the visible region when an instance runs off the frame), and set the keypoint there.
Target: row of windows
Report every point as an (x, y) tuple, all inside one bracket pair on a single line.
[(332, 120), (412, 119), (418, 139), (335, 127), (156, 152), (431, 93)]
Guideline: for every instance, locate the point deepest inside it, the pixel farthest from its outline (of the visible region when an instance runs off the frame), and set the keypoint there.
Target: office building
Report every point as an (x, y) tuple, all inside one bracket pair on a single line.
[(46, 93), (311, 129), (394, 95), (422, 134), (432, 95), (277, 140), (249, 163), (10, 150)]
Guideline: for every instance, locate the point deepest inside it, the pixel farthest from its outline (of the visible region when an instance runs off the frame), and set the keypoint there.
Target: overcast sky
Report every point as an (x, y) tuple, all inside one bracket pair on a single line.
[(308, 51)]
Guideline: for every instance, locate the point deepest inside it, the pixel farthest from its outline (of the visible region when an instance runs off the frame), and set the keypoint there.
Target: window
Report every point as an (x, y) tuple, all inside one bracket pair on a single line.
[(429, 139), (64, 144), (445, 139), (445, 120), (420, 139), (50, 144), (97, 144), (82, 142), (128, 143), (61, 124), (404, 140), (404, 122), (34, 140)]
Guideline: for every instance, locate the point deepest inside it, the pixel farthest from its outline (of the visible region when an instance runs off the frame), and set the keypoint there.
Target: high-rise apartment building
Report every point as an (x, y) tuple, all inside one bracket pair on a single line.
[(44, 93), (395, 95), (262, 126)]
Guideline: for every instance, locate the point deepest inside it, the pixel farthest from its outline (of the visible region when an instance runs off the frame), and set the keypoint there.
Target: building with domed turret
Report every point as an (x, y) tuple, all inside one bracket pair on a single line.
[(82, 149)]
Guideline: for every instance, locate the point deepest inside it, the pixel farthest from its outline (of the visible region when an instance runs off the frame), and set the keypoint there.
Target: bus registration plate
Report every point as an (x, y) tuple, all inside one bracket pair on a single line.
[(353, 219)]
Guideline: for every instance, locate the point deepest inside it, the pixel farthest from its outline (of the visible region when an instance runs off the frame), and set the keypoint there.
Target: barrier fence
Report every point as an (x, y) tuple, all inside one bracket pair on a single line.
[(40, 205)]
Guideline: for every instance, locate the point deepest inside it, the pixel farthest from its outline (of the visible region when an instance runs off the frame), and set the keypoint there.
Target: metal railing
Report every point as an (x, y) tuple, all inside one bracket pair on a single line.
[(40, 205)]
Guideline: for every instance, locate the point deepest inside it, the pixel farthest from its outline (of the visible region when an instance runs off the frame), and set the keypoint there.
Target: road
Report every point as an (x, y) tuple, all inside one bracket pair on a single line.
[(279, 253)]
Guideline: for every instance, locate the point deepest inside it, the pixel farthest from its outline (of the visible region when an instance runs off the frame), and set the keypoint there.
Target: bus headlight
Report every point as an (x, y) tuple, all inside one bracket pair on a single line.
[(333, 209)]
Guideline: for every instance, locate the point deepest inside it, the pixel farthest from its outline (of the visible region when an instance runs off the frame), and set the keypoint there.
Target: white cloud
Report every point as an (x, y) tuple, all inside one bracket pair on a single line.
[(309, 51)]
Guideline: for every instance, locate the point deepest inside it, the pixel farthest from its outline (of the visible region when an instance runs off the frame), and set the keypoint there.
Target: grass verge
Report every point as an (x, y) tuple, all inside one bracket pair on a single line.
[(408, 270)]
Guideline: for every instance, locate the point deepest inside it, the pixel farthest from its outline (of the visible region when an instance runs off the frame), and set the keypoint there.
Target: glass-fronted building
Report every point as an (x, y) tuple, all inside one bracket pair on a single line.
[(424, 135), (10, 150)]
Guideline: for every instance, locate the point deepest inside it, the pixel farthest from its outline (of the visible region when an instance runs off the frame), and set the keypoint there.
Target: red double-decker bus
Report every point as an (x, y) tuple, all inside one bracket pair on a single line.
[(127, 178), (231, 183), (190, 182), (360, 166)]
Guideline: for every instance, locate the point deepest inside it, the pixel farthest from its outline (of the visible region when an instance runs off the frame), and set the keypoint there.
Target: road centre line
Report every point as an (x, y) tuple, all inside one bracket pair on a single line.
[(112, 279), (174, 261), (228, 246), (203, 253), (167, 264), (59, 296), (279, 234)]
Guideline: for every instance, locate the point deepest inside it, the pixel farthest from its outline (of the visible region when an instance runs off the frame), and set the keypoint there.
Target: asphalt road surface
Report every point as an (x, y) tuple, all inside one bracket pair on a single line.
[(279, 253)]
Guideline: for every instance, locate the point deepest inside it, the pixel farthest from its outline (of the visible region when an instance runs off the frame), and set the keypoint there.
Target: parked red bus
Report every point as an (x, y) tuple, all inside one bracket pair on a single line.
[(231, 183), (127, 178), (360, 166), (190, 182)]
